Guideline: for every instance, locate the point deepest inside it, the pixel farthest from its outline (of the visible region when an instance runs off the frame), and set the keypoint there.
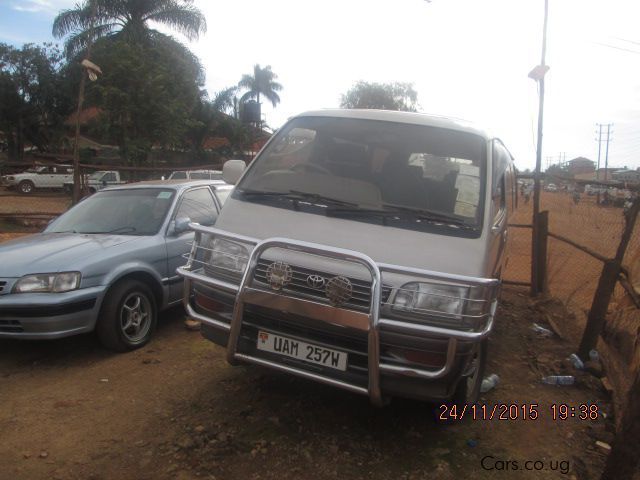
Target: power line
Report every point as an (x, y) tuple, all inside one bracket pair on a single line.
[(625, 40), (618, 48)]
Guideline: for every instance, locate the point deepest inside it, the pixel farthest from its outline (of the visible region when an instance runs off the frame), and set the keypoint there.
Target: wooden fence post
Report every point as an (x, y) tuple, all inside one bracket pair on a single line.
[(543, 236), (539, 253), (606, 285)]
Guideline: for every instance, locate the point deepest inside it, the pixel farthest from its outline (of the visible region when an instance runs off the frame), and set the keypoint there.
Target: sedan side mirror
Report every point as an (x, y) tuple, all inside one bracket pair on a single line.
[(181, 225), (232, 170)]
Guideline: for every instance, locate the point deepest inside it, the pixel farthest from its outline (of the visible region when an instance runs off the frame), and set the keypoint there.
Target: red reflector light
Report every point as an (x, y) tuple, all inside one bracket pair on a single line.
[(208, 304), (429, 359)]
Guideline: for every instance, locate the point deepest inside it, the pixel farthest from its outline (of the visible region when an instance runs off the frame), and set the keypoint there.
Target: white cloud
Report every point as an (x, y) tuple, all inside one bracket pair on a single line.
[(45, 6)]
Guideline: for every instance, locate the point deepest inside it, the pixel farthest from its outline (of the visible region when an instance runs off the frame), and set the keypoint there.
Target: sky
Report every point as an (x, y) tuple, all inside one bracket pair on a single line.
[(467, 59)]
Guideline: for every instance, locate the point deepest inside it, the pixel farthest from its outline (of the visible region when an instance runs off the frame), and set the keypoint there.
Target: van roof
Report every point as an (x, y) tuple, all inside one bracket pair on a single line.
[(401, 117)]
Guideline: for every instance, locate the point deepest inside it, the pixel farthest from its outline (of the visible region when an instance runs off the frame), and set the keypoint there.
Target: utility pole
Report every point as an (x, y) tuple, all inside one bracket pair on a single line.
[(538, 74), (599, 140), (76, 148), (606, 155)]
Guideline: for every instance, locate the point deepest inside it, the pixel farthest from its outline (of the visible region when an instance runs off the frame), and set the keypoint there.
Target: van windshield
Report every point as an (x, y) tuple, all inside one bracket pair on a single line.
[(370, 168)]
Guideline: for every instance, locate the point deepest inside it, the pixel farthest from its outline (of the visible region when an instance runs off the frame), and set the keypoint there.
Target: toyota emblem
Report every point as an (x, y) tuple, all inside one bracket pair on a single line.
[(316, 282)]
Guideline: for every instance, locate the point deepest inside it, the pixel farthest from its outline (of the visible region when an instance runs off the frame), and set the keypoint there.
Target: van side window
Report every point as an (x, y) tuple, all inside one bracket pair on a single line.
[(501, 165)]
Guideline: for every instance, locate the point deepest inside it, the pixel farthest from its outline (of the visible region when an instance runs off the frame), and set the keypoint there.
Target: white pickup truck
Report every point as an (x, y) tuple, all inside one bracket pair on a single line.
[(97, 181), (48, 177)]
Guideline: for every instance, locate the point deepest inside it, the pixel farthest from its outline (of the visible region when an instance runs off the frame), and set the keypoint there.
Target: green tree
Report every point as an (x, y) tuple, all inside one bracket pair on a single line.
[(147, 94), (32, 100), (262, 82), (128, 19), (383, 96)]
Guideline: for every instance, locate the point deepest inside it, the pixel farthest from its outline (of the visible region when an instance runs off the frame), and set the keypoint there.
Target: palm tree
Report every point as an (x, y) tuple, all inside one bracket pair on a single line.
[(263, 81), (125, 17)]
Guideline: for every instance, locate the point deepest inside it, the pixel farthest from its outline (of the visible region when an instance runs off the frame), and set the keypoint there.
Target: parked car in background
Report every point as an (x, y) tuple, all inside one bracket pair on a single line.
[(551, 187), (108, 264), (362, 249), (196, 175), (41, 177), (97, 181)]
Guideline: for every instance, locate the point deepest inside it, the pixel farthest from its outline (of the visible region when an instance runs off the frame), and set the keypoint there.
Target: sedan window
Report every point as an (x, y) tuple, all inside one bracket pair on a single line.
[(127, 212), (199, 206)]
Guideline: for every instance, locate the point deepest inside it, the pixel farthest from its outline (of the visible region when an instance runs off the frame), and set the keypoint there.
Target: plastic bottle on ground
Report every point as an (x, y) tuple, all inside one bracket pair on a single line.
[(545, 332), (559, 380), (489, 382), (575, 360)]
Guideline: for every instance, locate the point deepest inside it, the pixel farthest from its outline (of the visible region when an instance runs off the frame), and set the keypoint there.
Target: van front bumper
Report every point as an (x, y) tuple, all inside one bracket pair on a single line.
[(369, 338)]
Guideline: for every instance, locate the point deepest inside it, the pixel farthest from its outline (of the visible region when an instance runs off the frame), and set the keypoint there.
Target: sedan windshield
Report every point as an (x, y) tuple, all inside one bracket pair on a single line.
[(126, 212), (378, 168)]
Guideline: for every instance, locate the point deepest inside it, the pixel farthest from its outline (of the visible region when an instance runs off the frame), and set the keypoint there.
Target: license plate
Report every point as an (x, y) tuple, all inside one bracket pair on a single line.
[(304, 351)]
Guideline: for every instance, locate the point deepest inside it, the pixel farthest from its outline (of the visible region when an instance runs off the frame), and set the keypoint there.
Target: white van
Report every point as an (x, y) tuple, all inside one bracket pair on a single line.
[(362, 249)]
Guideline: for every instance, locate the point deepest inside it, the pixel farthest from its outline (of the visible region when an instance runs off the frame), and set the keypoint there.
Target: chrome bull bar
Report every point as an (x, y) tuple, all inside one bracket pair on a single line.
[(371, 322)]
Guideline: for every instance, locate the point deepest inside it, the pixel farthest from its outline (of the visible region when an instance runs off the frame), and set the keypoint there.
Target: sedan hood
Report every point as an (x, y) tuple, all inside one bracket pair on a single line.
[(54, 252), (429, 251)]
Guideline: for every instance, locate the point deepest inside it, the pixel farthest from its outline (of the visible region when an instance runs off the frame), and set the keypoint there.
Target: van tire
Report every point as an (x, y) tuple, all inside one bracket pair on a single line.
[(467, 391)]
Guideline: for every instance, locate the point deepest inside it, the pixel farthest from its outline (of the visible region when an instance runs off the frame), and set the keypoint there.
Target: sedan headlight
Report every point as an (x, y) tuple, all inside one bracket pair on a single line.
[(229, 257), (48, 283)]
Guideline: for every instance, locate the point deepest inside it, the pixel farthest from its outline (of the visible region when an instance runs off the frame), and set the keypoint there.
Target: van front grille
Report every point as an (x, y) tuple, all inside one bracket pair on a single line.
[(300, 286)]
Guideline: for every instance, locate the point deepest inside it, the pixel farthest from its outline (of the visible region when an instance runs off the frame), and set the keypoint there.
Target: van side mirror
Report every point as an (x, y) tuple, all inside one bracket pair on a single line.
[(232, 170)]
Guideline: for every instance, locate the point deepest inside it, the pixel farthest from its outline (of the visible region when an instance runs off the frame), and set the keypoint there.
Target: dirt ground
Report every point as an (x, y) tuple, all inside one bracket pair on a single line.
[(176, 410)]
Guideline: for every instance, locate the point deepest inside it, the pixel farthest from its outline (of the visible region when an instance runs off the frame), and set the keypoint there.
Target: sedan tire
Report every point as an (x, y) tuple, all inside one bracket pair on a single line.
[(26, 187), (128, 317)]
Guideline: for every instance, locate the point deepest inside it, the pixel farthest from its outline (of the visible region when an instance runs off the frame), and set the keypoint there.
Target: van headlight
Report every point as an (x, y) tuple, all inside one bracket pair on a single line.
[(228, 256), (48, 283), (447, 305)]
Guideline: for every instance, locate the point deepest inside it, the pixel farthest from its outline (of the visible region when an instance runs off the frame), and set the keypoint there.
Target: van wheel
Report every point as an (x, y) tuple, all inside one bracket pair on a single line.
[(128, 317), (468, 388), (26, 187)]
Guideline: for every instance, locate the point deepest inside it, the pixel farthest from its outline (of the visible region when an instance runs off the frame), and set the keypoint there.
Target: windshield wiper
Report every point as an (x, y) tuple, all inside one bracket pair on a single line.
[(390, 210), (298, 195), (424, 213), (260, 193), (125, 229), (295, 194)]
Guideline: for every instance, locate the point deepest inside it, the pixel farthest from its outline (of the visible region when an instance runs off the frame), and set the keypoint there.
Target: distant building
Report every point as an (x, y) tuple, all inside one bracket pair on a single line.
[(603, 174), (626, 176), (580, 166)]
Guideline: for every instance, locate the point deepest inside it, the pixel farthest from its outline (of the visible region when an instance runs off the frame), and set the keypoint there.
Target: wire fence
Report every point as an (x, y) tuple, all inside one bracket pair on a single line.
[(584, 232)]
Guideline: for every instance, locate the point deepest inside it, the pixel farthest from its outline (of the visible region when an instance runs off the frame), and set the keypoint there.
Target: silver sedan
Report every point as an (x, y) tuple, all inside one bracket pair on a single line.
[(108, 264)]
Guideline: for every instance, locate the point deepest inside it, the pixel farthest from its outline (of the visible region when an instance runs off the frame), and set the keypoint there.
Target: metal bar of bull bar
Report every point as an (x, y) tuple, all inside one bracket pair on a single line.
[(375, 323)]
